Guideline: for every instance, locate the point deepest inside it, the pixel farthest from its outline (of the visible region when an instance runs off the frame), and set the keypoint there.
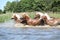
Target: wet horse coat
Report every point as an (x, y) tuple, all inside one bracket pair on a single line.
[(51, 22)]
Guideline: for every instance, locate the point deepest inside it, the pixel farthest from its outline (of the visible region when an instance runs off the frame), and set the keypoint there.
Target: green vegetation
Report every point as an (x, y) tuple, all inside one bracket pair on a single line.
[(33, 5), (31, 14), (2, 12), (51, 14), (56, 14), (5, 17)]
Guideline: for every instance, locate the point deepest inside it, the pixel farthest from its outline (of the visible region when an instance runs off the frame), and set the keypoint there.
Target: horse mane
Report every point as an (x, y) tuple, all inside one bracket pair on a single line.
[(26, 16)]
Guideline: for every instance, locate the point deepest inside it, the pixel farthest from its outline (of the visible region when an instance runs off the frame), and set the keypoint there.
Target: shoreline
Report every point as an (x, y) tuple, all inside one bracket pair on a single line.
[(28, 26)]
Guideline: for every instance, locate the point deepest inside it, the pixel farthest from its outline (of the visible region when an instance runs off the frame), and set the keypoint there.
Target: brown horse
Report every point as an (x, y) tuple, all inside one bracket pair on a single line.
[(16, 18), (31, 21), (51, 22)]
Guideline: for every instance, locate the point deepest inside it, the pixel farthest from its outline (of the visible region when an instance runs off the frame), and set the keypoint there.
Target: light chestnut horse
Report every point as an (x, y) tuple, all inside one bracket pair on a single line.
[(31, 21), (16, 17), (51, 22)]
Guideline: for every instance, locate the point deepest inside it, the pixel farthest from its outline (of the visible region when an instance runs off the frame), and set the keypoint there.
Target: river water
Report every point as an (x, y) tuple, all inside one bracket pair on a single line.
[(9, 32)]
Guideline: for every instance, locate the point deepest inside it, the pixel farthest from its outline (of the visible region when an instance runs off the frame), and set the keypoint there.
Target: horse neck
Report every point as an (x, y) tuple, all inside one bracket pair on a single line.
[(27, 18)]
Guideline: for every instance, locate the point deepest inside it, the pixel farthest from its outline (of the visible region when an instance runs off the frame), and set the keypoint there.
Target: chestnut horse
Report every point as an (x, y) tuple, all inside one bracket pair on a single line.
[(16, 18), (31, 21), (51, 22)]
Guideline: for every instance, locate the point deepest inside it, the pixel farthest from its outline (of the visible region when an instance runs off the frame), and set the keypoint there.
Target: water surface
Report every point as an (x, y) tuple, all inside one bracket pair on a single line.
[(9, 32)]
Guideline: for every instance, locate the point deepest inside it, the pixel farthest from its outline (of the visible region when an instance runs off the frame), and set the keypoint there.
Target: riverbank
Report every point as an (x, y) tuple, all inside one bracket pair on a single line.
[(5, 17)]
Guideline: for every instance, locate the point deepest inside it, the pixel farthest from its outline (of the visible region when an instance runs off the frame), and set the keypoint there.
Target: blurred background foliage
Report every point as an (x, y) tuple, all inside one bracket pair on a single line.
[(32, 5)]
